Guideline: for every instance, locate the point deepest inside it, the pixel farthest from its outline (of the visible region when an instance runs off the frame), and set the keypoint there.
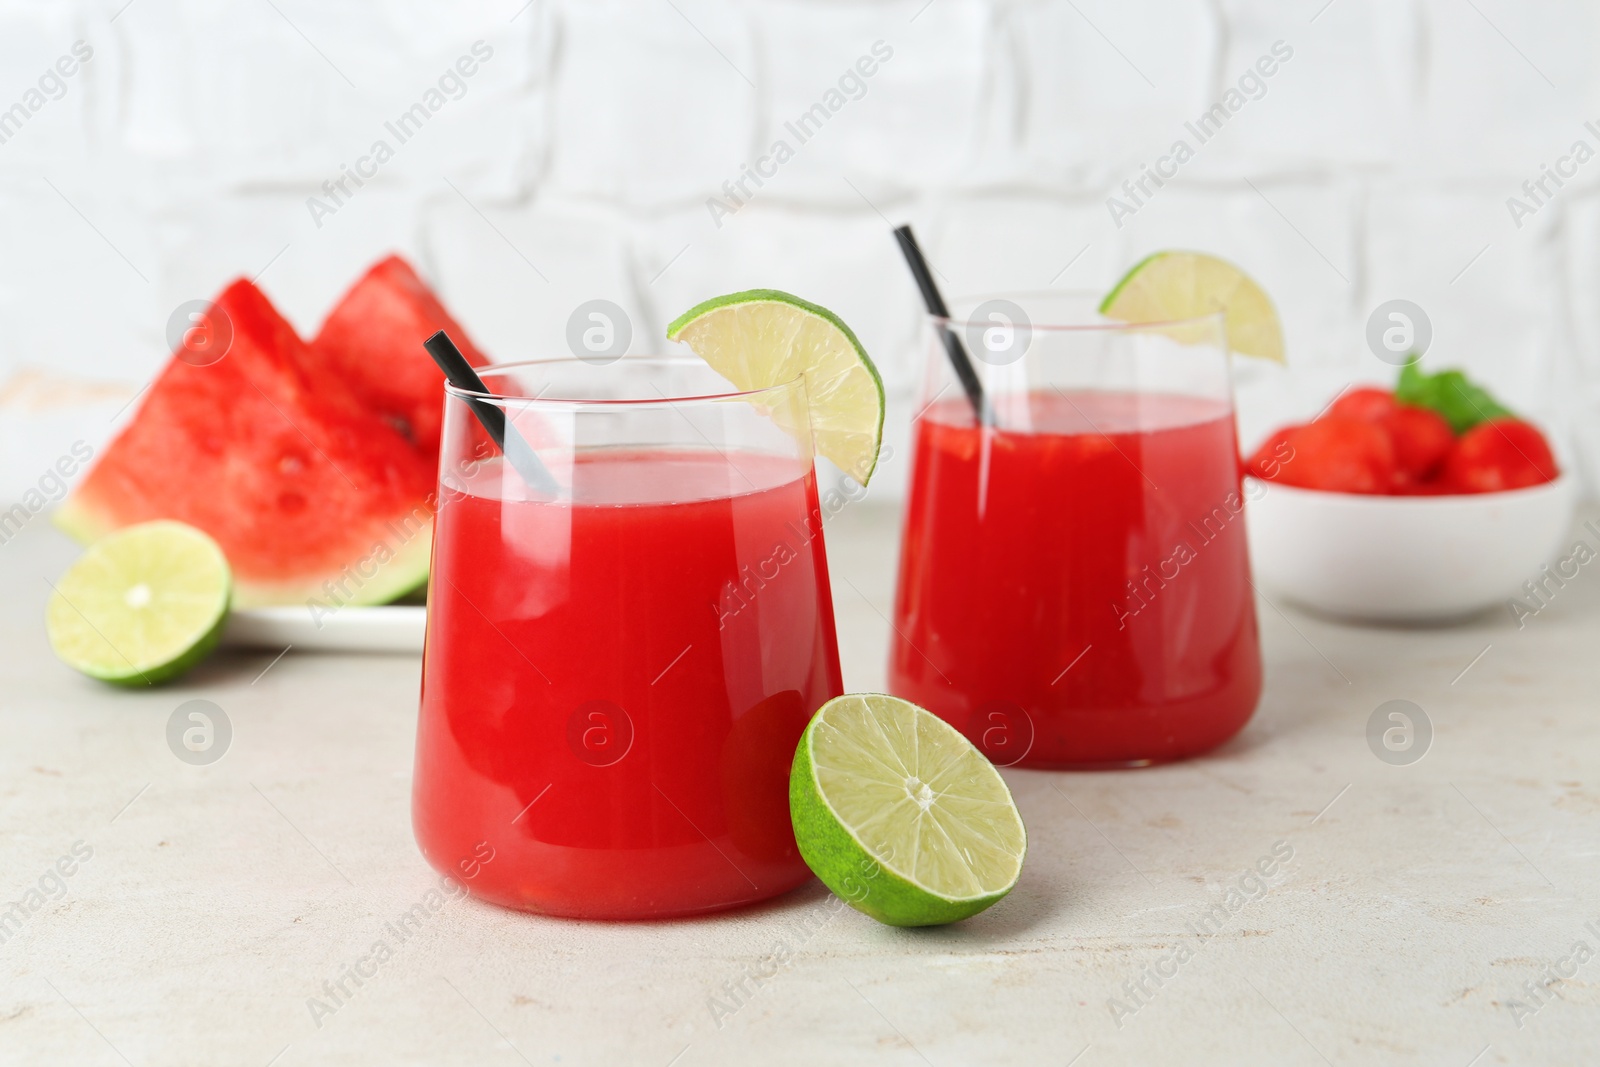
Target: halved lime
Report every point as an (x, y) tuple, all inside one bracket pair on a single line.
[(1168, 286), (764, 337), (900, 815), (142, 605)]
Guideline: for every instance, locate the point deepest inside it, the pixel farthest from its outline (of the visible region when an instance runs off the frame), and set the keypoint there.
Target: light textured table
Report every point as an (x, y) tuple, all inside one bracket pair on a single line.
[(1420, 906)]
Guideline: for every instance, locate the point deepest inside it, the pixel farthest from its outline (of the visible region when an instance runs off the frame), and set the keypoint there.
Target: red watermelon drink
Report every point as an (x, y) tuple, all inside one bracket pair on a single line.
[(1074, 580), (617, 674)]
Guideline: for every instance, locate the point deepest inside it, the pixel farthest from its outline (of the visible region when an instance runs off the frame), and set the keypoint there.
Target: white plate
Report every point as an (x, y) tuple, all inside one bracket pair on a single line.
[(393, 628)]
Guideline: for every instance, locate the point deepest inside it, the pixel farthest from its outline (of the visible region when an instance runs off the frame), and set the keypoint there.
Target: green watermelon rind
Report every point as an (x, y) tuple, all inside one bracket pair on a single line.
[(404, 573)]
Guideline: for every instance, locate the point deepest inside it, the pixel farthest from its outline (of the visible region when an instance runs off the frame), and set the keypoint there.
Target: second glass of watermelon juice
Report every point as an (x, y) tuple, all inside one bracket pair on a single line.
[(1074, 580), (617, 672)]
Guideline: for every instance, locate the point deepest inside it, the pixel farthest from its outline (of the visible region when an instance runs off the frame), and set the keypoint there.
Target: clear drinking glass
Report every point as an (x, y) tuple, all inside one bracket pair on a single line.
[(619, 664), (1074, 581)]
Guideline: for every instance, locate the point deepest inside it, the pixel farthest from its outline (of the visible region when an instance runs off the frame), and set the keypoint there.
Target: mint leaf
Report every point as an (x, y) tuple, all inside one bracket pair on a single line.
[(1461, 401)]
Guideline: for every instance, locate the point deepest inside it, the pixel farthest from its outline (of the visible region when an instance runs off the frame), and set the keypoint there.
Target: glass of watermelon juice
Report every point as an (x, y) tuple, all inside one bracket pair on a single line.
[(1074, 582), (617, 673)]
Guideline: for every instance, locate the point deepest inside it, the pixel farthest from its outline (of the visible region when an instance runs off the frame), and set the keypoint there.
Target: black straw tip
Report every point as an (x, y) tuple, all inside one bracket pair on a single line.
[(459, 373), (960, 362), (450, 360)]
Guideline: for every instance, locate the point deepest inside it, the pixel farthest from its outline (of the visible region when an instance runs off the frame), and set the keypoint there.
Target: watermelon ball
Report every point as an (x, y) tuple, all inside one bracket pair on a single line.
[(1369, 404), (1422, 438), (1500, 454), (1340, 454), (1268, 460)]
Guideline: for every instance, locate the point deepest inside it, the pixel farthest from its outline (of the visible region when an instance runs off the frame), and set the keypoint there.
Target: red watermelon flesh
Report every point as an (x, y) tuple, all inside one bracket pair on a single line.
[(373, 342), (309, 494)]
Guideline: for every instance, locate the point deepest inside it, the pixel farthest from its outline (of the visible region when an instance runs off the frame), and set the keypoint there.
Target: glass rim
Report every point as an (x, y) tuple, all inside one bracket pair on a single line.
[(1094, 298), (493, 368)]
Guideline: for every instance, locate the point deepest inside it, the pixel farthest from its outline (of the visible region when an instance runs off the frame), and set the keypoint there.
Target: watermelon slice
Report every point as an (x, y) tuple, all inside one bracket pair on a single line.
[(372, 341), (313, 498)]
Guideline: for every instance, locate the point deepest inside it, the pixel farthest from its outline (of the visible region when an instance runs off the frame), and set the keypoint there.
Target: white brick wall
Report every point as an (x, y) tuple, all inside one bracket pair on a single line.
[(578, 160)]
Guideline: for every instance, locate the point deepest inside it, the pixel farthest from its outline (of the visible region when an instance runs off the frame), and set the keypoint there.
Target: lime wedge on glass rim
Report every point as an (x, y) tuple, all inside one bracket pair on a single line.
[(764, 337), (1169, 286), (900, 815), (142, 605)]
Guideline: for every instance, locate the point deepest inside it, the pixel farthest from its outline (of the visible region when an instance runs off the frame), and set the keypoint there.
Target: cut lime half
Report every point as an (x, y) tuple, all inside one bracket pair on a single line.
[(142, 605), (1171, 286), (763, 337), (900, 815)]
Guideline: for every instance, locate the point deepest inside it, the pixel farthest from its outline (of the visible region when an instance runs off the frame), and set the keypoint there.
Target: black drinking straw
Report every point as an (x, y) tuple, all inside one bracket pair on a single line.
[(959, 360), (461, 375)]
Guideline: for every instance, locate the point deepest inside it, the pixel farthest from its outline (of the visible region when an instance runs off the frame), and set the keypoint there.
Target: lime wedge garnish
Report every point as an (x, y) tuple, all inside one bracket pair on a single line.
[(900, 815), (142, 605), (1169, 286), (764, 337)]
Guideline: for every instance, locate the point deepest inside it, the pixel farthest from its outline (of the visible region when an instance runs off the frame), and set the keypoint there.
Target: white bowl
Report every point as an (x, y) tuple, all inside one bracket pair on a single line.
[(1404, 558)]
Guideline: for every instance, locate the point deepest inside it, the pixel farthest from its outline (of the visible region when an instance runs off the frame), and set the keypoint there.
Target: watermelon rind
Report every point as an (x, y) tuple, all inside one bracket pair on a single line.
[(74, 520), (404, 572)]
